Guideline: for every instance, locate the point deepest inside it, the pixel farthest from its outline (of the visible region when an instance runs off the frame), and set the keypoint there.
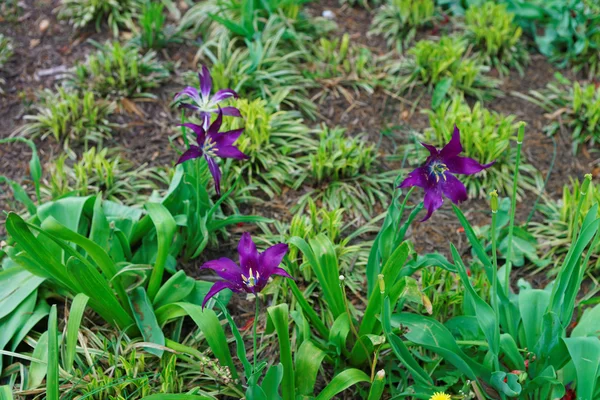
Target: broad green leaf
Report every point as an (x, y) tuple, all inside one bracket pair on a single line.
[(66, 211), (42, 309), (16, 284), (177, 288), (314, 318), (585, 352), (341, 382), (100, 229), (208, 323), (510, 388), (532, 305), (146, 320), (18, 317), (272, 381), (73, 324), (6, 393), (308, 361), (165, 230), (440, 91), (339, 332), (239, 341), (588, 324), (37, 370), (280, 318), (165, 396)]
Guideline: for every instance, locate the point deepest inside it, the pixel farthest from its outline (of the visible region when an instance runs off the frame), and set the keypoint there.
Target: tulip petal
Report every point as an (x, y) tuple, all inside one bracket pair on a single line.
[(418, 177), (226, 269), (453, 147), (281, 272), (432, 201), (213, 130), (198, 130), (248, 254), (216, 288), (205, 83), (270, 259), (454, 189), (432, 150), (191, 153), (230, 152), (213, 167), (190, 92), (223, 94), (465, 165), (227, 138), (231, 111)]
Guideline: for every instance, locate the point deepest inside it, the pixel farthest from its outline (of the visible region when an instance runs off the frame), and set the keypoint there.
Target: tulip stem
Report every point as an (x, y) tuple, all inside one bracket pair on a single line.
[(254, 325), (513, 206)]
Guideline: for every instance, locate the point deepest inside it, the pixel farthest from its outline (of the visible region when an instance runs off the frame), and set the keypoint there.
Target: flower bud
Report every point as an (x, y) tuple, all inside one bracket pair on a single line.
[(380, 375), (381, 283), (521, 133), (586, 184), (494, 201), (342, 278)]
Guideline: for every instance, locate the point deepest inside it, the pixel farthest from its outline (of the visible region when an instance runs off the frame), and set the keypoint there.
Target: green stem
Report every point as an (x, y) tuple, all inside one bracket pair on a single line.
[(513, 207), (495, 265), (254, 336), (353, 328)]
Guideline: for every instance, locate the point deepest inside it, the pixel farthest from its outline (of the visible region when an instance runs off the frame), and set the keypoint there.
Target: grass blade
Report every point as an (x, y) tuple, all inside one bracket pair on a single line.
[(73, 324)]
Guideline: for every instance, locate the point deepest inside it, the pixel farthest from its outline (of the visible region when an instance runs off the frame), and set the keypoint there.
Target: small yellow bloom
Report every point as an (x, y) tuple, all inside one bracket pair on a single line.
[(440, 396)]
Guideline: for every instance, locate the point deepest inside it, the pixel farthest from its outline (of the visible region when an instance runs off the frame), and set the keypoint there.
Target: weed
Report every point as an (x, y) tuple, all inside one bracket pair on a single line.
[(6, 49), (117, 72), (486, 137), (398, 20), (117, 13), (490, 28), (153, 32), (70, 116)]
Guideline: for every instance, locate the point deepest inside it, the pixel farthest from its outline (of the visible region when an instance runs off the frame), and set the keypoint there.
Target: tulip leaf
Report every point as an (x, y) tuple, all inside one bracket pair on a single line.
[(308, 361), (341, 382), (585, 353), (279, 316), (510, 388)]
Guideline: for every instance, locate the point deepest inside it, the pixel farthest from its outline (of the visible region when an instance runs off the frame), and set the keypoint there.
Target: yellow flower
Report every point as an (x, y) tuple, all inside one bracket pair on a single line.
[(440, 396)]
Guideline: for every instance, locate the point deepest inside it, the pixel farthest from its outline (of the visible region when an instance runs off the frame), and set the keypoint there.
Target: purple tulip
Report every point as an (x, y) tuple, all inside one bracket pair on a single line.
[(254, 270), (436, 178), (212, 144), (203, 102)]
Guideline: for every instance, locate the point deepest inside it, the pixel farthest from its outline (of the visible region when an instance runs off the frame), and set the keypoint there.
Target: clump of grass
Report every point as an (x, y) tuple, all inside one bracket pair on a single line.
[(444, 64), (339, 68), (70, 116), (493, 32), (398, 20), (117, 13), (344, 173), (265, 68), (6, 49), (275, 141), (118, 72), (100, 171), (555, 232), (486, 137), (573, 104), (368, 4), (153, 33)]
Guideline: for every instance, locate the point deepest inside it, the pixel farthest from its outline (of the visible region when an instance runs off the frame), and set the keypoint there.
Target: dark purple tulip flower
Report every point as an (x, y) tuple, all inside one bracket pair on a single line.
[(212, 144), (203, 102), (254, 270), (437, 178)]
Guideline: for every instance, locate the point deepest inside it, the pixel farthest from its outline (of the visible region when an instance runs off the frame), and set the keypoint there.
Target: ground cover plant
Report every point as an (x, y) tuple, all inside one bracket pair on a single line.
[(284, 199)]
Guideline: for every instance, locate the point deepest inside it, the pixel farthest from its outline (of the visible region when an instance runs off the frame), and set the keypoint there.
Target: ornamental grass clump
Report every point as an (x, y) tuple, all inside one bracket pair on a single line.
[(574, 104), (117, 14), (496, 37), (445, 66), (486, 136), (117, 72), (399, 20), (69, 116)]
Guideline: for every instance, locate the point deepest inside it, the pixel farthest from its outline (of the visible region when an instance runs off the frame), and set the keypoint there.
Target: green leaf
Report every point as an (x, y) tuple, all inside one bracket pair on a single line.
[(42, 309), (308, 361), (52, 392), (146, 320), (532, 305), (510, 388), (341, 382), (164, 396), (165, 230), (74, 322), (66, 211), (440, 92), (208, 323), (37, 370), (11, 324), (585, 352), (6, 393), (16, 284), (272, 381), (177, 288), (280, 318)]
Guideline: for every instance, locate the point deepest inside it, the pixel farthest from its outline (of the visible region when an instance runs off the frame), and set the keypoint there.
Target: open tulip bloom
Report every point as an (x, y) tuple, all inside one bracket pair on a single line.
[(203, 102), (212, 144), (436, 175), (253, 272)]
